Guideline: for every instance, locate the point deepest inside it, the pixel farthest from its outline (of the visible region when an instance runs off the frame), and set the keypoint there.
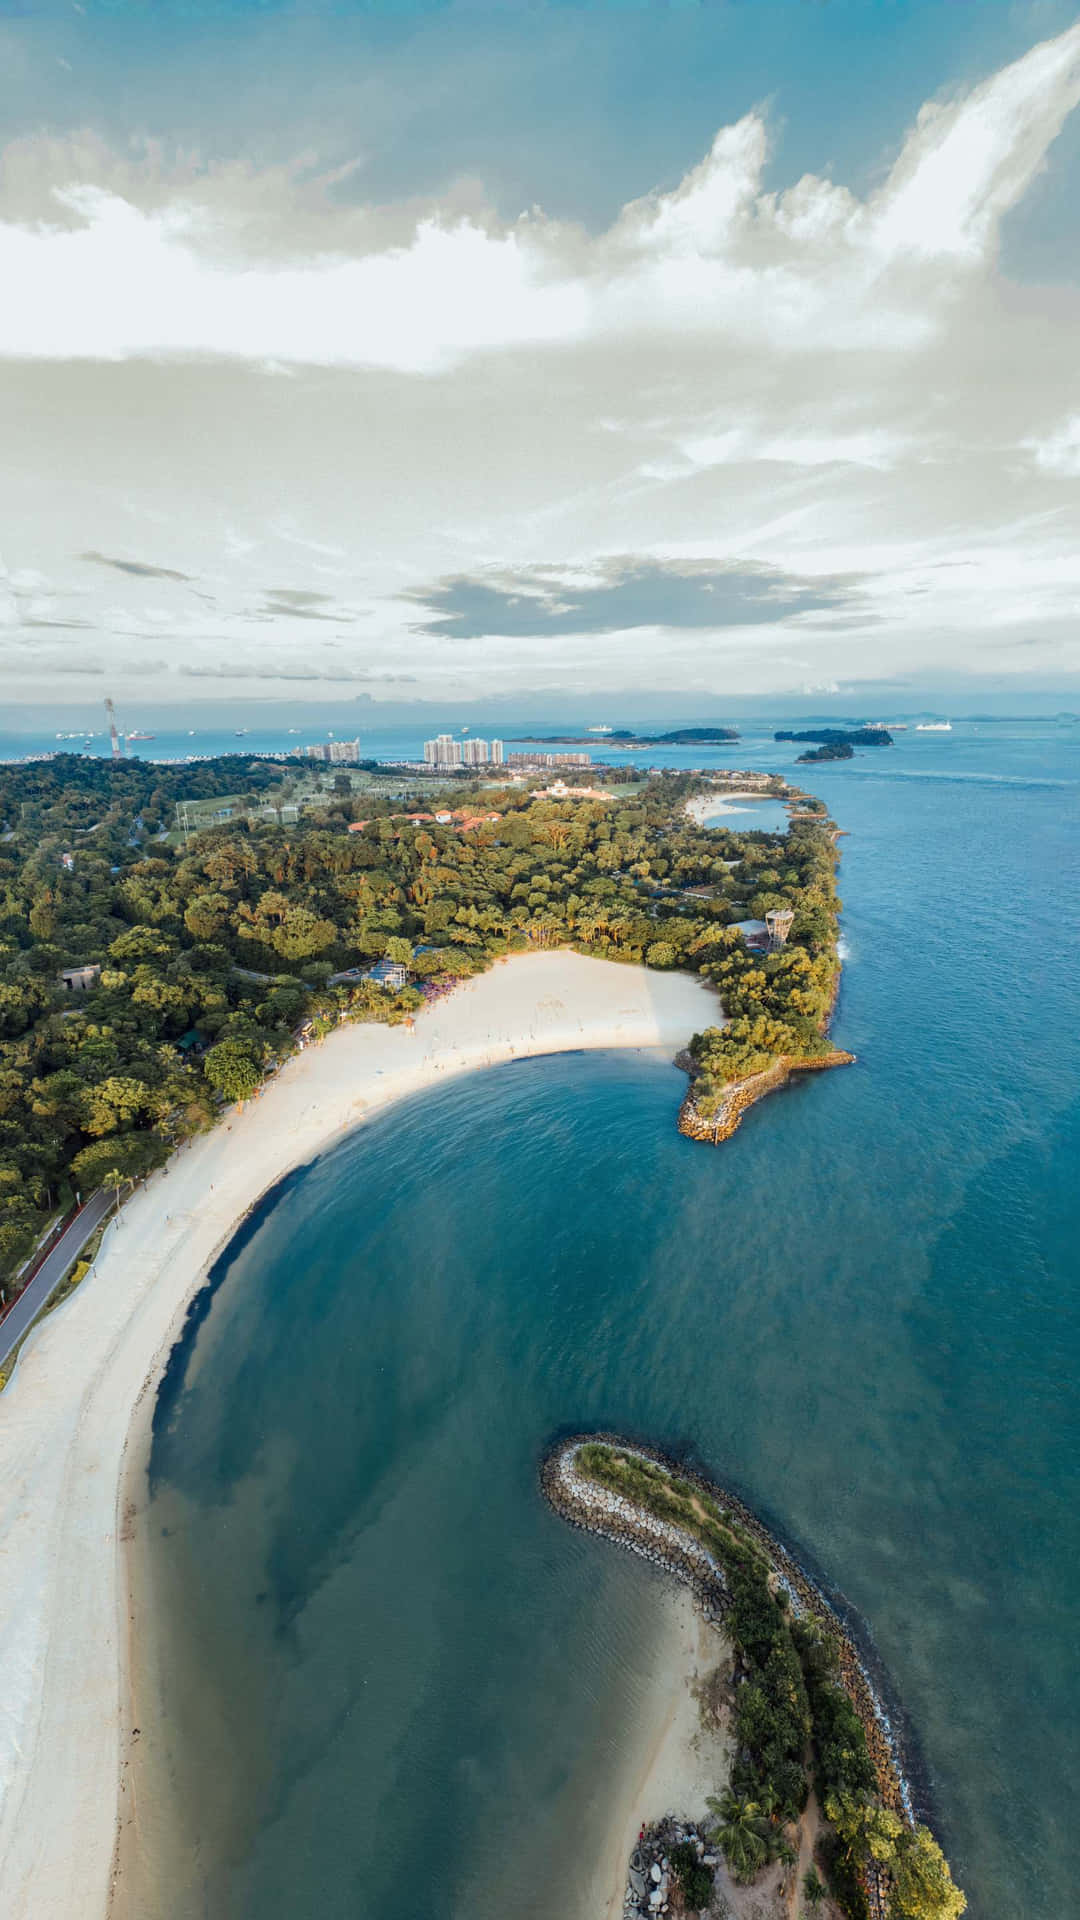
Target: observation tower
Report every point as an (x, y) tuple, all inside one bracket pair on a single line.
[(778, 921)]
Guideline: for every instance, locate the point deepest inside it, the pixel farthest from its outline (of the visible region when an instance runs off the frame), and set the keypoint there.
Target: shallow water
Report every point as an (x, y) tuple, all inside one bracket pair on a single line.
[(392, 1682)]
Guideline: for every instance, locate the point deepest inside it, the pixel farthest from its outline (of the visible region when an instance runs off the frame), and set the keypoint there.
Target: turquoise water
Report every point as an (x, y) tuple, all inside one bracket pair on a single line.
[(393, 1683)]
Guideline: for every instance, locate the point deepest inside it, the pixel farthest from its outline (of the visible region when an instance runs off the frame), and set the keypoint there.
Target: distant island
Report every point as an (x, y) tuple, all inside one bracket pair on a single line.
[(842, 736), (624, 737), (832, 750), (803, 1713)]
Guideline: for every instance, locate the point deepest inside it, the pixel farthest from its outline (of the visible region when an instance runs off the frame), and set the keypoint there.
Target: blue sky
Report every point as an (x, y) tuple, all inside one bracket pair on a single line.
[(579, 107), (647, 385)]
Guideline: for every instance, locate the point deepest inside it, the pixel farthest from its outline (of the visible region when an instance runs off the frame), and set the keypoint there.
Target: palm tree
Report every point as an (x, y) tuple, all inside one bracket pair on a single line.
[(743, 1834), (814, 1886)]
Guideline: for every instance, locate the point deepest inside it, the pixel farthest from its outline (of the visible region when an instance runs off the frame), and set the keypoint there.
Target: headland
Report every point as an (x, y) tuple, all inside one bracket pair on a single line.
[(780, 998)]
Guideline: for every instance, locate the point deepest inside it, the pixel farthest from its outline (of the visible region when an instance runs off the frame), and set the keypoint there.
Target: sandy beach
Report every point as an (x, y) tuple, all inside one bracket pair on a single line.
[(704, 807), (86, 1378), (680, 1758)]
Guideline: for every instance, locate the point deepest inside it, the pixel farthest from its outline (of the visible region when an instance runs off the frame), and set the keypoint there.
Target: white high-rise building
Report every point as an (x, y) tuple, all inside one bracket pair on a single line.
[(443, 751), (446, 751)]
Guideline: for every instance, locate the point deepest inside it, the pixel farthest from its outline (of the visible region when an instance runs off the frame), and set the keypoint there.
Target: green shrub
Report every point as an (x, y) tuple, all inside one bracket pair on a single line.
[(694, 1880)]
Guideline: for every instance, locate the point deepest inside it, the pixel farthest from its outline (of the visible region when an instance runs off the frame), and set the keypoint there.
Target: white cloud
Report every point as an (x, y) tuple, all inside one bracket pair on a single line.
[(1059, 452), (801, 381), (106, 277)]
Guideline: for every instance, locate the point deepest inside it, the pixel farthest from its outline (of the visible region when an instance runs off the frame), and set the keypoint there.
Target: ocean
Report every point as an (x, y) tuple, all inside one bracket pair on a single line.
[(388, 1682)]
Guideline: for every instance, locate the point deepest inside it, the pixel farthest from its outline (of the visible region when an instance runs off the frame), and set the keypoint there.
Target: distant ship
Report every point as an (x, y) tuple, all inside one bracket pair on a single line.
[(140, 736), (240, 732), (933, 726), (599, 729)]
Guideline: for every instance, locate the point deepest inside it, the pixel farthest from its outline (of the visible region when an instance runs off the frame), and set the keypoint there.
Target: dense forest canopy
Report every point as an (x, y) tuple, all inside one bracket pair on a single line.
[(212, 953)]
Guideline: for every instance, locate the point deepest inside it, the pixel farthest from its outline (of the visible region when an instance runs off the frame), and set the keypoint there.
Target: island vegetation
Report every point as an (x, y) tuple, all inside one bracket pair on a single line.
[(805, 1719), (208, 953), (832, 750), (841, 736), (625, 737)]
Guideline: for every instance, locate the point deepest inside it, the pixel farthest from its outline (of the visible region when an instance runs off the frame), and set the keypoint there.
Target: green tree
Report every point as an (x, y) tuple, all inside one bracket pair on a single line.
[(125, 1157), (206, 914), (742, 1833), (814, 1887), (661, 953), (923, 1887), (115, 1105), (230, 1068), (870, 1830)]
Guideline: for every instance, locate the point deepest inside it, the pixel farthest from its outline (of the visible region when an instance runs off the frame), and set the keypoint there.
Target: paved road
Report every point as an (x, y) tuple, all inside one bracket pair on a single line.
[(49, 1275)]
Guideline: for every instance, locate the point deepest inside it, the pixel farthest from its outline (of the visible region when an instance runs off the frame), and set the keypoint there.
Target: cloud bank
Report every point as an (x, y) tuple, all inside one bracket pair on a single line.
[(761, 438)]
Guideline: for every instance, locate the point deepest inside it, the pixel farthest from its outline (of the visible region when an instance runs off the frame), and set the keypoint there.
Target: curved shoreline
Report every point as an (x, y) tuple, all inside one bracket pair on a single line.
[(74, 1421), (596, 1509)]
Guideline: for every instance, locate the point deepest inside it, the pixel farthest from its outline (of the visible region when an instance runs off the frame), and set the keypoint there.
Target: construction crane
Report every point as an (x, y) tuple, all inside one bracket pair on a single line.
[(117, 749)]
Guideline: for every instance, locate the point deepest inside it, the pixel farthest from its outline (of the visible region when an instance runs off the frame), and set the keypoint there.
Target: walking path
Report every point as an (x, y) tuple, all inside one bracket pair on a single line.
[(36, 1295)]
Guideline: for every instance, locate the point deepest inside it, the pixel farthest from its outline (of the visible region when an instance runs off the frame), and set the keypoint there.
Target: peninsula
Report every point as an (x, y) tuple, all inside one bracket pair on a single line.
[(816, 1786)]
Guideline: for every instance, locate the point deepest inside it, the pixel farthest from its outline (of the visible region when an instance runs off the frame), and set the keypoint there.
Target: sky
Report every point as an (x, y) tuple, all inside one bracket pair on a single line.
[(460, 353)]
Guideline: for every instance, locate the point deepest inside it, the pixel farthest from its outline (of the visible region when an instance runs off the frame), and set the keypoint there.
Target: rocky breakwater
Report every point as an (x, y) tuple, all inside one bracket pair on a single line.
[(741, 1094), (596, 1509), (653, 1877)]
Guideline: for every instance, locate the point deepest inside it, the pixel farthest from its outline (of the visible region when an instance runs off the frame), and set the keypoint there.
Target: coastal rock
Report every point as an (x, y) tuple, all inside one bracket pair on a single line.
[(742, 1094)]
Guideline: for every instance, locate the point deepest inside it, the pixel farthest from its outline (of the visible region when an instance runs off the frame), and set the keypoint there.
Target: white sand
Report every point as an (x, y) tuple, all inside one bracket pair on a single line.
[(66, 1416), (679, 1760), (704, 807)]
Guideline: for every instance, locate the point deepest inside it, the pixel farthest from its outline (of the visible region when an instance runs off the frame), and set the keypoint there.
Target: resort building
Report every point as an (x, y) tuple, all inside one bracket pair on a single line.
[(558, 790), (339, 752), (550, 760), (446, 751), (389, 973), (80, 979), (443, 751), (754, 932)]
